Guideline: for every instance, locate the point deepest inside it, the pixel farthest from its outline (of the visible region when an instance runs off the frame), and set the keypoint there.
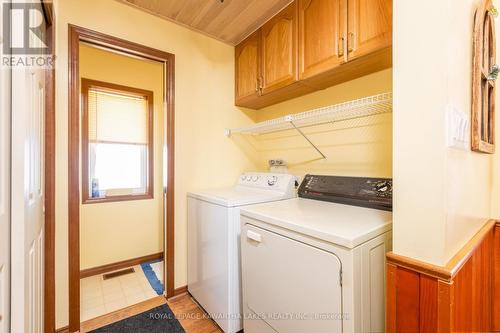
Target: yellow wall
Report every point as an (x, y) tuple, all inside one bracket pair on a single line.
[(203, 103), (442, 195), (359, 147), (136, 226)]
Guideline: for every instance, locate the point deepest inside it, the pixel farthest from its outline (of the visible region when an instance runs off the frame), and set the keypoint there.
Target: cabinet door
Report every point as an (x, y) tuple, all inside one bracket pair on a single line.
[(279, 50), (247, 68), (370, 26), (322, 33)]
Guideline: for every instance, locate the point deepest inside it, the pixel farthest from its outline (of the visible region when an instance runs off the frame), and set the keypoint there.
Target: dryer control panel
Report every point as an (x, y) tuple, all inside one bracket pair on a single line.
[(357, 191)]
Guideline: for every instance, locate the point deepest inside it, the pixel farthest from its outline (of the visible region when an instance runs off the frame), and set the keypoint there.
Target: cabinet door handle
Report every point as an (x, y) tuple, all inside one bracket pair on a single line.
[(254, 236), (260, 80), (341, 46), (350, 42), (257, 85)]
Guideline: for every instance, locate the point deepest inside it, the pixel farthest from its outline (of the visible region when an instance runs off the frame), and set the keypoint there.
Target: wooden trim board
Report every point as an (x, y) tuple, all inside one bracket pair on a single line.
[(119, 265), (49, 177), (180, 291), (77, 35), (483, 89)]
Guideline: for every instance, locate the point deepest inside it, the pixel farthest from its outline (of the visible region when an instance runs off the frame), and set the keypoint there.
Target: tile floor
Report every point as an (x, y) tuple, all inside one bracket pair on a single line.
[(99, 296)]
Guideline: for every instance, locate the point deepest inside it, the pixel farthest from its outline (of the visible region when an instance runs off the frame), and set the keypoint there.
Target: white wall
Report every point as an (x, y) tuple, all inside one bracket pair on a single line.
[(442, 195)]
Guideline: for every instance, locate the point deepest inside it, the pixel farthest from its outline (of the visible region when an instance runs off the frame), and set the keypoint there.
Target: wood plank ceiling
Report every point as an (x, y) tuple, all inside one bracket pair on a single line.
[(229, 21)]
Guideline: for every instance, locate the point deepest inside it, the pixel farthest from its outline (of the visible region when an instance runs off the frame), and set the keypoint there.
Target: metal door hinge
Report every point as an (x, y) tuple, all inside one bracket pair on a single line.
[(340, 277)]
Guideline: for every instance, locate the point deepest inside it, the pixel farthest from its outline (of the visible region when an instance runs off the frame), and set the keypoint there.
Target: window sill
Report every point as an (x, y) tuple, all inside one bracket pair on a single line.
[(118, 198)]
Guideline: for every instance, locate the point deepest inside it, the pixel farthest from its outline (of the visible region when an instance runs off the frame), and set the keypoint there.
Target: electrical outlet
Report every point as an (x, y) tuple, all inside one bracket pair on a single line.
[(277, 163)]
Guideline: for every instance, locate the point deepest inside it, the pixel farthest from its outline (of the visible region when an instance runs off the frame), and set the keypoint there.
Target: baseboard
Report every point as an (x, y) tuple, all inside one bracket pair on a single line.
[(63, 330), (180, 291), (119, 265)]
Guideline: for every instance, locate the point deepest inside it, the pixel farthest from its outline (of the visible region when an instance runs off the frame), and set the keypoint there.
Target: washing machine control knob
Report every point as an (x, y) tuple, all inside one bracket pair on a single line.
[(271, 181)]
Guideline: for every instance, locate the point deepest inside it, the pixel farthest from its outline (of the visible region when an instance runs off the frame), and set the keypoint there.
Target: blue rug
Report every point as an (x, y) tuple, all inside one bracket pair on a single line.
[(154, 281)]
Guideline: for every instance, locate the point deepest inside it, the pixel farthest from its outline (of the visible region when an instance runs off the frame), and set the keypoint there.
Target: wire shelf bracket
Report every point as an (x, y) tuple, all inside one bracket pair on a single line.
[(308, 140), (355, 109)]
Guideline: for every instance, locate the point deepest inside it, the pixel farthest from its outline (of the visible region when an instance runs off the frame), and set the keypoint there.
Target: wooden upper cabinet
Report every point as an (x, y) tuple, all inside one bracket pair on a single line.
[(370, 26), (279, 50), (311, 45), (247, 68), (322, 33)]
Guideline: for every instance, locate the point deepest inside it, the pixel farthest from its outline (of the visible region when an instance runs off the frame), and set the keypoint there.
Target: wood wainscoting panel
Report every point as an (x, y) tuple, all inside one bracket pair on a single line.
[(482, 285), (444, 306), (463, 299), (463, 296), (413, 301), (408, 301), (496, 286), (428, 304)]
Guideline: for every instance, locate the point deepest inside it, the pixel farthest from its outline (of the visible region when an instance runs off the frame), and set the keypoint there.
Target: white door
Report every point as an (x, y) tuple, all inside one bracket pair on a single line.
[(292, 286), (4, 193), (28, 113)]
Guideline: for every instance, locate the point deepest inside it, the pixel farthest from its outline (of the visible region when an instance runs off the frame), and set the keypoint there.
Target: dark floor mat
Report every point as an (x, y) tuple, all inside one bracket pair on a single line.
[(157, 320)]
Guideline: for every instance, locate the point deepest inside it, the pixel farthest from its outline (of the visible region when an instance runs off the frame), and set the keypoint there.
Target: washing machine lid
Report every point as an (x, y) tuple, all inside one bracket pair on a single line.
[(238, 196), (344, 225)]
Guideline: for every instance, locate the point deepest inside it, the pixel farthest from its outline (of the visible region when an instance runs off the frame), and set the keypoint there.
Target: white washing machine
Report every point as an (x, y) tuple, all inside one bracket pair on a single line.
[(317, 263), (214, 270)]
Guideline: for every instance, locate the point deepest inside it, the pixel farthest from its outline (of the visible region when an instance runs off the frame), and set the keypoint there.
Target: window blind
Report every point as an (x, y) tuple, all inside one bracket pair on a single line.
[(117, 118)]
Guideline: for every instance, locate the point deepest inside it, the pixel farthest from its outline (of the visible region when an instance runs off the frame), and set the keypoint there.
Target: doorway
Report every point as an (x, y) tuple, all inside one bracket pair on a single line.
[(93, 189)]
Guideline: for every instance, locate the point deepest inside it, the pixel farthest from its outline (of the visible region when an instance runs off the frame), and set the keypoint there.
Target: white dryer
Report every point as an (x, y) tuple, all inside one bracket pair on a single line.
[(314, 266), (214, 270)]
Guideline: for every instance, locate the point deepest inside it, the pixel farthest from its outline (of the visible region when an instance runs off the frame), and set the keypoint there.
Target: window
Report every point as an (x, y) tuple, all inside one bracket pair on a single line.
[(485, 72), (117, 142)]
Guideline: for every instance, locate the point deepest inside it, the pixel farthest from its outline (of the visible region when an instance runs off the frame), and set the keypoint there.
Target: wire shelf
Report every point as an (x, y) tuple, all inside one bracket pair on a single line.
[(359, 108)]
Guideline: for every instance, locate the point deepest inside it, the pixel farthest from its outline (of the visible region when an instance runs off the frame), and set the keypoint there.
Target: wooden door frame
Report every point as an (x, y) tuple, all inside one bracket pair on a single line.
[(76, 35), (49, 175)]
